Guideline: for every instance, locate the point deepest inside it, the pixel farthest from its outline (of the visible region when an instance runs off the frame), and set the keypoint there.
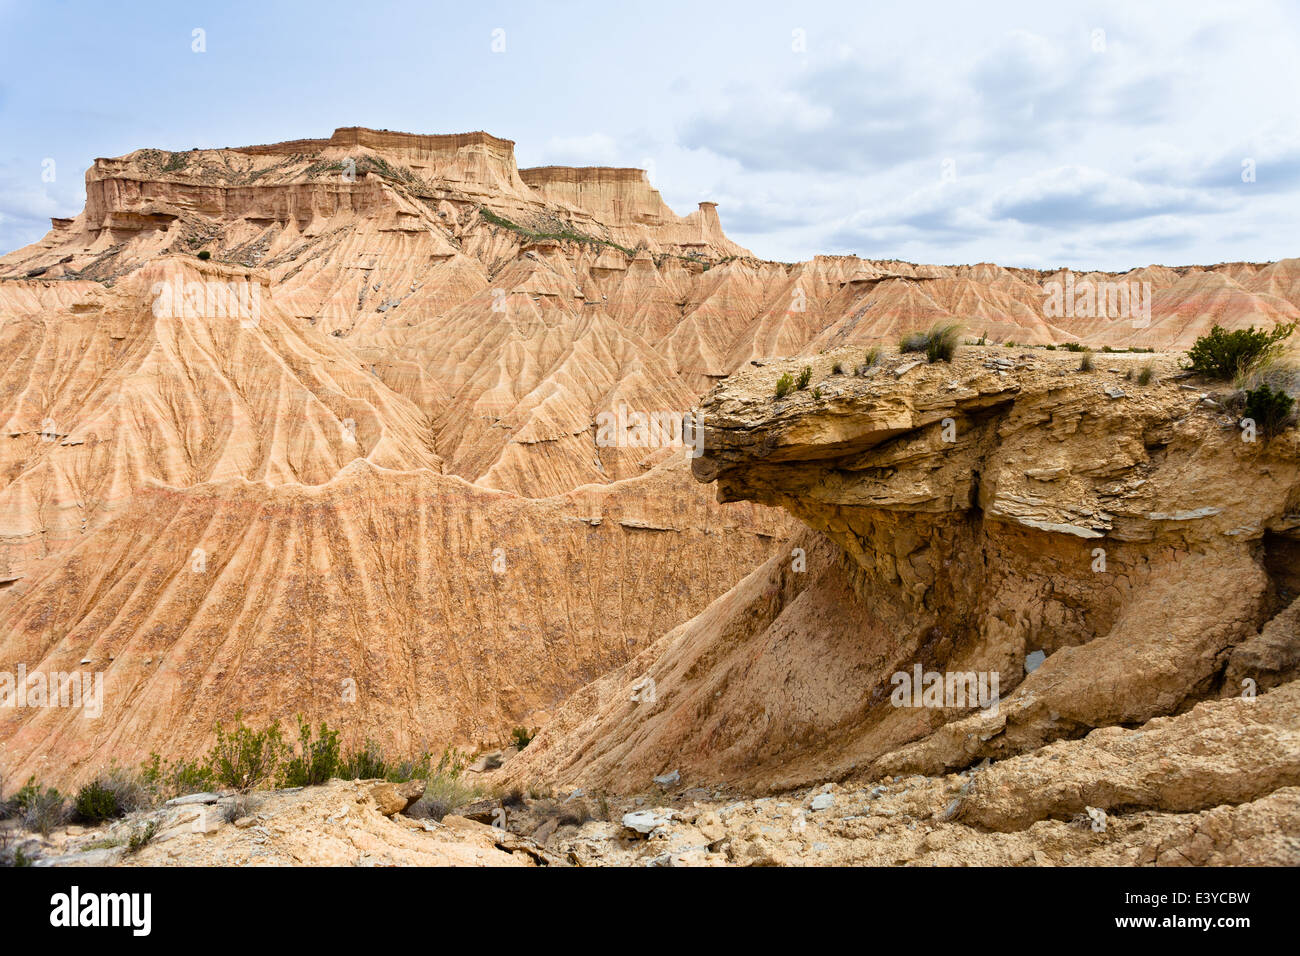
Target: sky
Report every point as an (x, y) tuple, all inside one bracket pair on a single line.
[(1086, 135)]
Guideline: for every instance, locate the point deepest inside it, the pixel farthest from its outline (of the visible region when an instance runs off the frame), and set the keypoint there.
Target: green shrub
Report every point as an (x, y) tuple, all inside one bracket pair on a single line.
[(871, 359), (205, 255), (912, 342), (575, 816), (404, 770), (243, 758), (317, 761), (167, 779), (140, 836), (1146, 375), (236, 808), (784, 385), (1223, 354), (41, 809), (837, 369), (96, 803), (443, 789), (1086, 363), (450, 764), (1270, 409), (521, 738), (805, 375), (1075, 347), (939, 343), (364, 764), (445, 793)]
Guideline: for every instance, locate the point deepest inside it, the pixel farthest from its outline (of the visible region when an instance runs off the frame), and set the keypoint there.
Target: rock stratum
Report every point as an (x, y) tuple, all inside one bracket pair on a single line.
[(314, 428), (1113, 552)]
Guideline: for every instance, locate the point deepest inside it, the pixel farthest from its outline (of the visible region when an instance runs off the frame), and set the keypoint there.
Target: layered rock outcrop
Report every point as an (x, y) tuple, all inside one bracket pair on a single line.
[(1113, 553)]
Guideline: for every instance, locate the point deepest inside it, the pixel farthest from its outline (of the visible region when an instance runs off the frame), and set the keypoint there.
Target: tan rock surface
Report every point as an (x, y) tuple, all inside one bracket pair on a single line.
[(333, 825), (968, 556), (400, 606)]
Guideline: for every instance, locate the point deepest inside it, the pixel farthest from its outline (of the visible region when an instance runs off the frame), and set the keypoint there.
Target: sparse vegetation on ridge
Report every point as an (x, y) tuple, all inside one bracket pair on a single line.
[(565, 236), (1225, 355), (1270, 409), (939, 342)]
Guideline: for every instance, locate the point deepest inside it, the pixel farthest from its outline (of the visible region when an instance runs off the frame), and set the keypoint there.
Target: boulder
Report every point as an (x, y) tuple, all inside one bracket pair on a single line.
[(393, 798), (646, 821), (481, 811), (193, 798)]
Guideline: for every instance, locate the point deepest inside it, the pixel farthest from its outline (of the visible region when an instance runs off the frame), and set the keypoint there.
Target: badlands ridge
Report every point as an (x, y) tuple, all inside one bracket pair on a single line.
[(363, 483)]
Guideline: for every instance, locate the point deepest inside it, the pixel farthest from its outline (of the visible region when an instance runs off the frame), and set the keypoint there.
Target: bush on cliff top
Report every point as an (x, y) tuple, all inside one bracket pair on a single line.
[(939, 343), (1222, 354)]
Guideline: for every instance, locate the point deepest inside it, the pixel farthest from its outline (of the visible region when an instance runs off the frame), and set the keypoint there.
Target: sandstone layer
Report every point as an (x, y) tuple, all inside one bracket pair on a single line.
[(1114, 552)]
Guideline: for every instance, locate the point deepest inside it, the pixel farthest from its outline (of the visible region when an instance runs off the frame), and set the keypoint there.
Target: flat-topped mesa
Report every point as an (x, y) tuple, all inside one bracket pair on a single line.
[(611, 195), (622, 199), (295, 181), (477, 157)]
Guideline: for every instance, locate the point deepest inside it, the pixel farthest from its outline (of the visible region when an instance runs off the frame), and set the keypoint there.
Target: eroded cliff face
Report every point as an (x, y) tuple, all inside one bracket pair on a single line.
[(967, 518), (1010, 504), (429, 310)]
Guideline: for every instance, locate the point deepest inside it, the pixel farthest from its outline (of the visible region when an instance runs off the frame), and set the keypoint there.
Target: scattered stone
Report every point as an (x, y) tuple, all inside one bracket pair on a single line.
[(481, 811), (823, 801), (646, 821), (668, 779), (193, 798)]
